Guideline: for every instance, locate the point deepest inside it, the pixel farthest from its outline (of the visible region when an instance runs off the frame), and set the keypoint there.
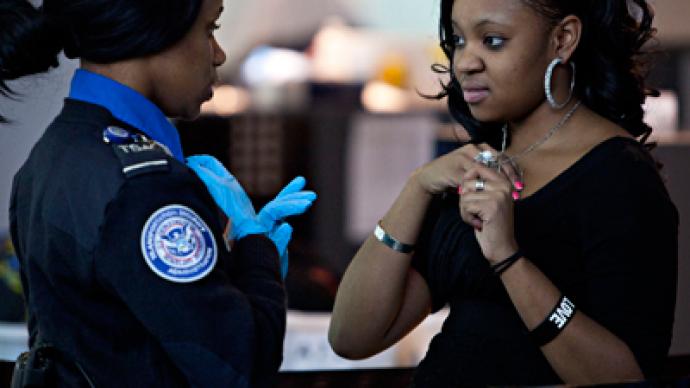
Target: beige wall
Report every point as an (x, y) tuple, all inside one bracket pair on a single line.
[(673, 21)]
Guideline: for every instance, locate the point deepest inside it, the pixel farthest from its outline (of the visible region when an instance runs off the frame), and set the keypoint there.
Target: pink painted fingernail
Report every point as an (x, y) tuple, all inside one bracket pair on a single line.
[(519, 185), (516, 195)]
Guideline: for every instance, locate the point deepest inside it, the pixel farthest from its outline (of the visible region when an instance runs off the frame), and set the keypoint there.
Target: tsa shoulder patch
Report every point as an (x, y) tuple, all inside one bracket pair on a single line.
[(137, 153), (178, 245)]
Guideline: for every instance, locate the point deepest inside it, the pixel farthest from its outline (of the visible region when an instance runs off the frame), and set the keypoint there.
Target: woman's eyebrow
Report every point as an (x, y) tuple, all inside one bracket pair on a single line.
[(486, 21), (481, 23)]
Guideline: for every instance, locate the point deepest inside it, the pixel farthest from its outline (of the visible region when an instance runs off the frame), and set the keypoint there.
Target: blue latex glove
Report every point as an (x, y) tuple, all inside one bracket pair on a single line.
[(280, 235), (229, 195), (291, 201)]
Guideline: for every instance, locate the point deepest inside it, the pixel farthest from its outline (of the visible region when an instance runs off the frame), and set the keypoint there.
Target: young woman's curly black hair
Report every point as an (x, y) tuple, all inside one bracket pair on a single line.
[(100, 31), (610, 60)]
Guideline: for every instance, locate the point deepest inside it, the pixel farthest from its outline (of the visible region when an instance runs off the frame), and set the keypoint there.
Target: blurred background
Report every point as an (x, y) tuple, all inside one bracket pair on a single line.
[(330, 89)]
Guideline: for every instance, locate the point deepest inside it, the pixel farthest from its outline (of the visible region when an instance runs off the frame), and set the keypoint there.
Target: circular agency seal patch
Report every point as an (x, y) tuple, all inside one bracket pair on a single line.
[(178, 245)]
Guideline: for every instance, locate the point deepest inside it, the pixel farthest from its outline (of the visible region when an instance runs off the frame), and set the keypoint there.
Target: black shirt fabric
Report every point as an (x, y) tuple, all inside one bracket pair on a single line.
[(605, 232), (77, 218)]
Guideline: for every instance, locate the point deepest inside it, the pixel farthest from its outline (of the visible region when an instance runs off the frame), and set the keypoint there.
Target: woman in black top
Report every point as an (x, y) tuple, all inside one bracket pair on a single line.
[(551, 236)]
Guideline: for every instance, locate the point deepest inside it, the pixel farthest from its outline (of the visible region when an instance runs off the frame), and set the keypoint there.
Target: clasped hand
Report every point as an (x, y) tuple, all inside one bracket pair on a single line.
[(489, 209), (233, 200)]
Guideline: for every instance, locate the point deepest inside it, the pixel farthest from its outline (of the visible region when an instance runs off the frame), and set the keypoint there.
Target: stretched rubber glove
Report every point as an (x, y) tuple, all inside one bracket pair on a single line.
[(280, 235), (229, 196), (291, 201)]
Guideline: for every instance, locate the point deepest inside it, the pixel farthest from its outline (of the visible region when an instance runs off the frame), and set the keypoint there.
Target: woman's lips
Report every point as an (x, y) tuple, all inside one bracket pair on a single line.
[(475, 96)]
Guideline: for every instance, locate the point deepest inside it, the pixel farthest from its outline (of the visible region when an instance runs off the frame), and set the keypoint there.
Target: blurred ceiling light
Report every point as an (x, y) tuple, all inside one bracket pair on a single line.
[(380, 97), (275, 66), (227, 101), (342, 54)]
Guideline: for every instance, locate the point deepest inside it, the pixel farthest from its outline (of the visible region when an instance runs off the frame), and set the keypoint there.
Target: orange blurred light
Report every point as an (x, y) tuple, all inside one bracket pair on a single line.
[(227, 101)]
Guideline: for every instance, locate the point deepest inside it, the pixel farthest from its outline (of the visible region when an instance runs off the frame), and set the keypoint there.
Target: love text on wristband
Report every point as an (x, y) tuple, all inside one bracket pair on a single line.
[(554, 323)]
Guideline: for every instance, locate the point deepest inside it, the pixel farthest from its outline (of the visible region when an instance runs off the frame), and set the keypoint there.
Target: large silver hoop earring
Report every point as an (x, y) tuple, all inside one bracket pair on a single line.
[(547, 84)]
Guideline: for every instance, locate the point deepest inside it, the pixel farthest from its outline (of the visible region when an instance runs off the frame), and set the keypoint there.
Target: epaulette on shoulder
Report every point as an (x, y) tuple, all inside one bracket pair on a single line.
[(137, 153)]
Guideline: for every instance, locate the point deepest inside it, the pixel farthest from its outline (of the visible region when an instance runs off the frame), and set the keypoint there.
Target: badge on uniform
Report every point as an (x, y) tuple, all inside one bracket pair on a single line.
[(137, 153), (117, 135), (178, 245)]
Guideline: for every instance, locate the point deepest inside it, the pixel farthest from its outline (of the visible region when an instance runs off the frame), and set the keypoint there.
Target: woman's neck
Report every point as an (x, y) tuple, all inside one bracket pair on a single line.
[(130, 73), (535, 126)]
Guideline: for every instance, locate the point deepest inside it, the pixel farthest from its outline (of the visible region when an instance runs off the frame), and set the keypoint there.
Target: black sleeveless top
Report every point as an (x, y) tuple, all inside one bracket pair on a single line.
[(605, 232)]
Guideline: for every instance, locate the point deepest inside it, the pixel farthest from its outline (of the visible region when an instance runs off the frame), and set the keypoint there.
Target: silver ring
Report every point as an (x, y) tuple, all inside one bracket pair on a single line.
[(486, 158), (479, 185)]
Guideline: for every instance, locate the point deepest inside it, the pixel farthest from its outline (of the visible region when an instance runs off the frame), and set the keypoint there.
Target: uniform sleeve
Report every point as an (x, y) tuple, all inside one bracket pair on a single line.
[(223, 329), (630, 234), (448, 255), (17, 245)]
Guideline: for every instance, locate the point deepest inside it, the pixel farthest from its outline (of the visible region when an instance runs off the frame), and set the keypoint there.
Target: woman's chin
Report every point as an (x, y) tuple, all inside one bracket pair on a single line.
[(189, 114), (483, 115)]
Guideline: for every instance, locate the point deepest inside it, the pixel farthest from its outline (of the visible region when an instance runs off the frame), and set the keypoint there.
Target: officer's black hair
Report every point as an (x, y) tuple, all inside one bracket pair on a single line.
[(610, 59), (99, 31)]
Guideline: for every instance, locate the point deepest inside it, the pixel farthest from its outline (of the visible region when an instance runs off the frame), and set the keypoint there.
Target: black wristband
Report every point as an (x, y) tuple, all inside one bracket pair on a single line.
[(503, 265), (554, 323)]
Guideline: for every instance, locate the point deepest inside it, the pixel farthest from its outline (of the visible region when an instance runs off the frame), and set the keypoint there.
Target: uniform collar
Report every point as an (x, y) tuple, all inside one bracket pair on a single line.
[(128, 106)]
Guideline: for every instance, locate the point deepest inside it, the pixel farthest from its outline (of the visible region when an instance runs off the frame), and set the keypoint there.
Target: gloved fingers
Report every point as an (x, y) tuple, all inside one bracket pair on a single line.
[(222, 190), (228, 195), (300, 195), (279, 211), (294, 186), (207, 176), (199, 160), (288, 198), (210, 163), (281, 237), (285, 200), (284, 265)]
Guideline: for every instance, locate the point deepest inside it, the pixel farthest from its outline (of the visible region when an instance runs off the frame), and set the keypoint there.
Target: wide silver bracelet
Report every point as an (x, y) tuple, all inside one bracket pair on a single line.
[(390, 241)]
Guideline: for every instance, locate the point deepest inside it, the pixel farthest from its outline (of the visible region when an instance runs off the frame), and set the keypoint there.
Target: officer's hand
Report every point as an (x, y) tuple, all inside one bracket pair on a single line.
[(291, 201), (228, 194)]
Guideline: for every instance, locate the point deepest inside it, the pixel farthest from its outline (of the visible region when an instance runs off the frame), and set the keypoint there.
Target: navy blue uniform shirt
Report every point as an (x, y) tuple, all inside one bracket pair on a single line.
[(124, 267)]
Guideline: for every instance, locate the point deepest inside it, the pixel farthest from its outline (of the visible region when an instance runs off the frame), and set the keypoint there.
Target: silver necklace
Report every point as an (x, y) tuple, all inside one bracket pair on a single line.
[(559, 125)]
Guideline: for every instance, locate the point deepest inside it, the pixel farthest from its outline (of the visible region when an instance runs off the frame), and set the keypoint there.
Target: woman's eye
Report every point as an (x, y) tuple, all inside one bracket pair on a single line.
[(458, 41), (213, 28), (494, 42)]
